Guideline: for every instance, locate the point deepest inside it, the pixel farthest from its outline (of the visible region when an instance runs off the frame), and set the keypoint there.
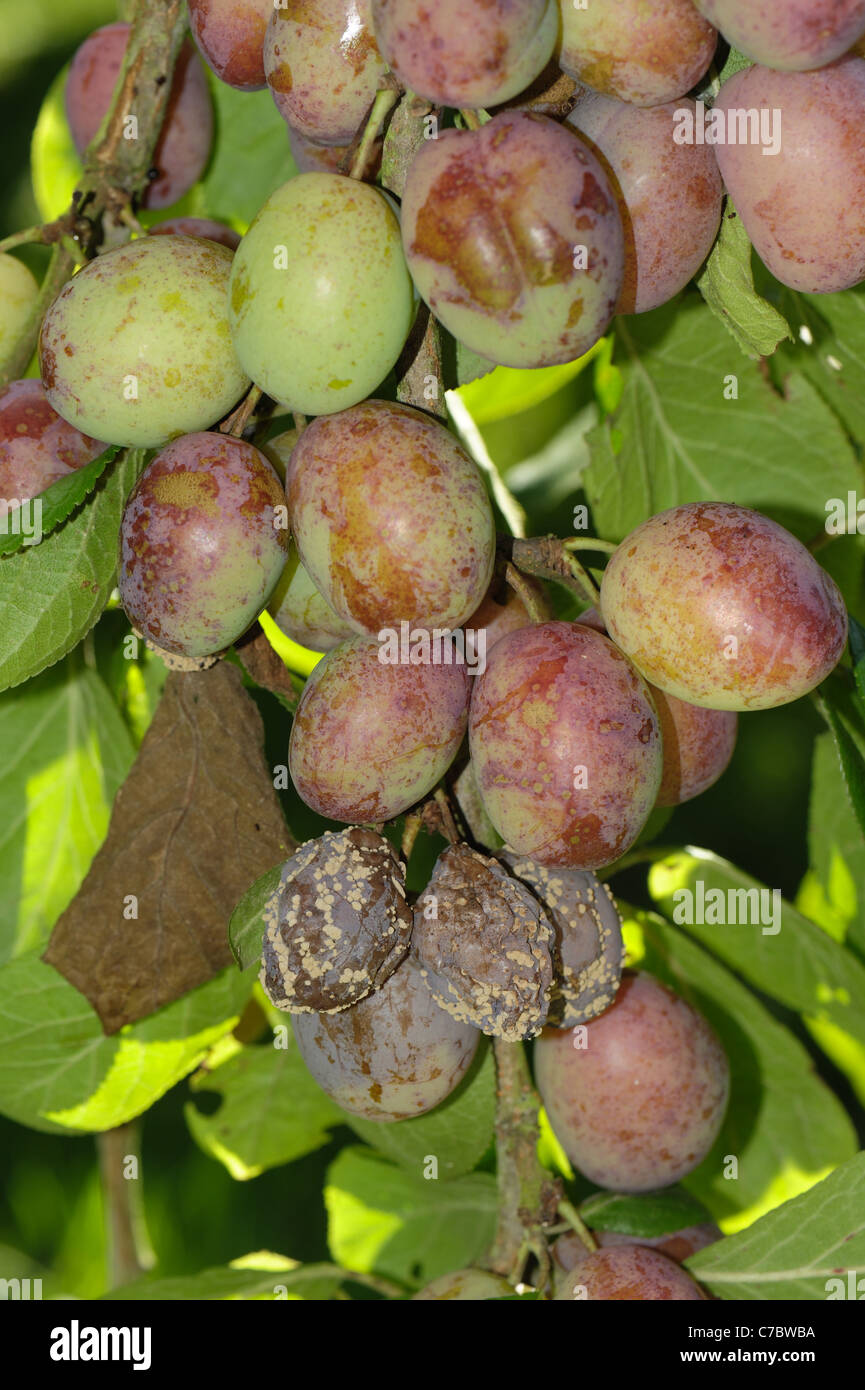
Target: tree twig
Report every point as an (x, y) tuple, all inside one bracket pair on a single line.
[(129, 1251)]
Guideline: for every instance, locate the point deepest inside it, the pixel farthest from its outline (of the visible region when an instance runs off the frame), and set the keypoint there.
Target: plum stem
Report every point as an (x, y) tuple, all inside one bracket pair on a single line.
[(528, 1196), (471, 119), (383, 103), (530, 600), (590, 543), (575, 1222), (237, 421), (547, 558), (129, 1249)]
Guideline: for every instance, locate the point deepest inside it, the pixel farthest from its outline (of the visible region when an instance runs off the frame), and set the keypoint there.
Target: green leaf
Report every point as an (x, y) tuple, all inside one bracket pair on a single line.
[(857, 651), (66, 753), (52, 594), (382, 1219), (829, 348), (246, 927), (799, 965), (271, 1110), (58, 1070), (60, 499), (676, 438), (456, 1133), (736, 61), (251, 156), (784, 1127), (648, 1214), (852, 760), (833, 891), (508, 391), (727, 285), (260, 1276), (54, 164), (806, 1249)]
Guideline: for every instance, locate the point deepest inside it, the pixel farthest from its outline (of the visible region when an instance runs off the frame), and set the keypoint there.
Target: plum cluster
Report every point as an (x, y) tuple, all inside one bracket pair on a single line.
[(368, 533)]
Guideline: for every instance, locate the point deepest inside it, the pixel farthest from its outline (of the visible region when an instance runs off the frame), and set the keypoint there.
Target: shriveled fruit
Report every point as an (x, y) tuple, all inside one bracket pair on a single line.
[(338, 925), (184, 145), (371, 737), (37, 448), (484, 943), (230, 34), (201, 545), (393, 1055), (814, 180), (302, 613), (197, 226), (514, 239), (391, 518), (789, 34), (588, 952), (631, 1273), (565, 744), (323, 67), (321, 301), (466, 52), (670, 195), (136, 347), (637, 1098), (465, 1284), (19, 291), (722, 607), (643, 53)]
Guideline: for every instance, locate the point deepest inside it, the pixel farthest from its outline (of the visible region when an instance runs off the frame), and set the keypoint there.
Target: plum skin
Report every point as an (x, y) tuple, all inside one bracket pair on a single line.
[(699, 581), (641, 1104), (491, 220), (176, 346), (670, 196), (391, 518), (645, 54), (200, 551), (816, 181), (792, 35), (37, 447), (369, 739), (393, 1055), (230, 35), (564, 688), (628, 1272)]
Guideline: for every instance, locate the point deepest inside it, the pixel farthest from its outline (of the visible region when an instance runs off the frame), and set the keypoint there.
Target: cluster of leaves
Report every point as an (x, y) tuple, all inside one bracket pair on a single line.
[(743, 392)]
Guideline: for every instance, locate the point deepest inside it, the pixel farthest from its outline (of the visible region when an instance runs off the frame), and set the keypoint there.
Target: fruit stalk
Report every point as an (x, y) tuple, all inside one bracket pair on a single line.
[(129, 1252)]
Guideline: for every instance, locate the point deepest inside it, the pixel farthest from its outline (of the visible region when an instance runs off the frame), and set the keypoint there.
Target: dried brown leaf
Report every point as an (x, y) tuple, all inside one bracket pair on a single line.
[(195, 823)]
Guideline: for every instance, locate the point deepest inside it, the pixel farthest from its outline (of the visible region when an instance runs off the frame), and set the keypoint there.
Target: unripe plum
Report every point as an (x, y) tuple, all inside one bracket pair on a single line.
[(19, 291), (790, 34), (643, 53), (722, 607), (465, 1285), (197, 226), (370, 737), (393, 1055), (670, 195), (514, 239), (565, 744), (323, 67), (391, 518), (37, 448), (136, 348), (467, 52), (636, 1098), (321, 300), (230, 34), (183, 148), (789, 200), (201, 548), (630, 1272), (302, 613)]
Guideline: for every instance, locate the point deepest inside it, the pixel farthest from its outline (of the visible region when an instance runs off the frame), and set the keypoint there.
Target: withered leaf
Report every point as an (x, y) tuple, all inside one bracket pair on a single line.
[(266, 667), (195, 823)]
